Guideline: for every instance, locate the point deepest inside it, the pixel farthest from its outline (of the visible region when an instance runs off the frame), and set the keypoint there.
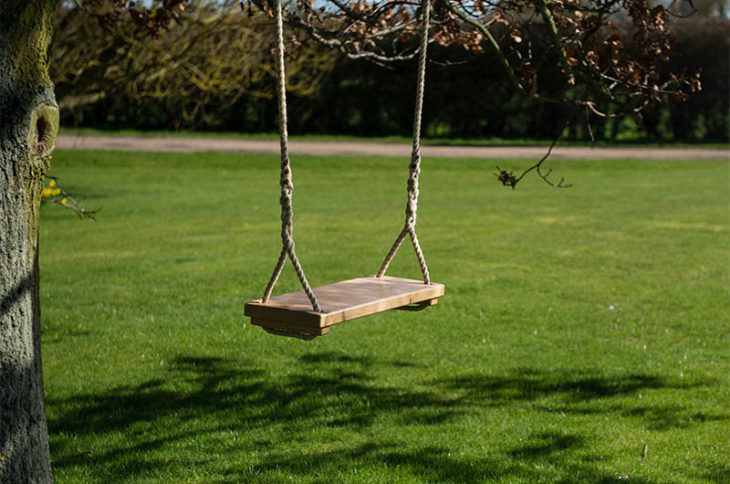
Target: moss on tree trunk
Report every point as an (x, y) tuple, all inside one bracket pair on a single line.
[(28, 127)]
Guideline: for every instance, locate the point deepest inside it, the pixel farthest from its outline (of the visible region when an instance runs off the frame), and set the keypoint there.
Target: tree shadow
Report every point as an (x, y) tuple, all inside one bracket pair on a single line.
[(547, 444), (14, 294), (23, 450), (576, 393), (333, 394), (529, 384)]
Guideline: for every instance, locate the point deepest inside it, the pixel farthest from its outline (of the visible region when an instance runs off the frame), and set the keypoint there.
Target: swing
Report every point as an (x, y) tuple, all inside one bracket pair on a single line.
[(309, 313)]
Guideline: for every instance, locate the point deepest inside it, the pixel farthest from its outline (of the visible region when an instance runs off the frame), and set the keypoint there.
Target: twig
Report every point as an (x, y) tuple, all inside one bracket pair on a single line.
[(57, 195), (508, 179)]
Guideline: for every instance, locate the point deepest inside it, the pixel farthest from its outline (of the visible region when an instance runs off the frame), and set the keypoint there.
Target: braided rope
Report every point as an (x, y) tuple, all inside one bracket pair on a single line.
[(285, 181), (415, 166)]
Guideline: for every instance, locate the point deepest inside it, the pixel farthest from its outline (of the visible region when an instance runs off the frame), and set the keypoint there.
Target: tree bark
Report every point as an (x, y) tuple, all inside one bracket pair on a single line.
[(28, 127)]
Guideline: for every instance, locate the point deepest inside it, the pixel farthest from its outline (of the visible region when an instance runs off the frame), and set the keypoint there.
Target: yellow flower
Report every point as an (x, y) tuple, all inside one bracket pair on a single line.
[(57, 191), (47, 193), (63, 201), (52, 184)]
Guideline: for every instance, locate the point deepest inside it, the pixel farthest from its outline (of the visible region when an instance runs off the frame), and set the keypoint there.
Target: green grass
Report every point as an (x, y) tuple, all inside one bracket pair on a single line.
[(434, 141), (578, 326)]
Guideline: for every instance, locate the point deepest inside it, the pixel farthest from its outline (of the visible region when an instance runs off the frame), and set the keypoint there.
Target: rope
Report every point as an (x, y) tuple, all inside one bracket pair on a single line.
[(409, 227), (285, 181)]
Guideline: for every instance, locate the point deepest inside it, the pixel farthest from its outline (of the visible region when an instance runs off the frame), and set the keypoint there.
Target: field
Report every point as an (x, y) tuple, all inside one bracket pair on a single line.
[(583, 337)]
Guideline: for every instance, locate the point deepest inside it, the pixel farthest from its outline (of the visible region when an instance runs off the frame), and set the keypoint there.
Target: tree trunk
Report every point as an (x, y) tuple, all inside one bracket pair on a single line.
[(28, 127)]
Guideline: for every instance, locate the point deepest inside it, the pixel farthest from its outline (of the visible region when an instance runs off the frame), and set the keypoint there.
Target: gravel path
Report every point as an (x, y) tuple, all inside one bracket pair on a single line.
[(189, 144)]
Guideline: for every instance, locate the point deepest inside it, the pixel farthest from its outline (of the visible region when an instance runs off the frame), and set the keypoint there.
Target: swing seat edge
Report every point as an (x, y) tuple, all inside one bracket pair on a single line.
[(341, 301)]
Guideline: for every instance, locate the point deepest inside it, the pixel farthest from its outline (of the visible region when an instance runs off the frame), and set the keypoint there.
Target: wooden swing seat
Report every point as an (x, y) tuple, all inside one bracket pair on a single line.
[(292, 314)]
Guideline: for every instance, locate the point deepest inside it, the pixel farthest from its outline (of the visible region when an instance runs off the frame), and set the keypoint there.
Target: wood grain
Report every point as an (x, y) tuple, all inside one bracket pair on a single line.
[(342, 301)]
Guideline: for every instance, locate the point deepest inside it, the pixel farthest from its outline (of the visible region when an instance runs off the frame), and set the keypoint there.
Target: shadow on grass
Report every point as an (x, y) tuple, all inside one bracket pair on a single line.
[(236, 421)]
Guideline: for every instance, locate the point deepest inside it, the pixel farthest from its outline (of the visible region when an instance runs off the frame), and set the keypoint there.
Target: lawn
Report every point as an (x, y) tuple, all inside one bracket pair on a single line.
[(584, 335)]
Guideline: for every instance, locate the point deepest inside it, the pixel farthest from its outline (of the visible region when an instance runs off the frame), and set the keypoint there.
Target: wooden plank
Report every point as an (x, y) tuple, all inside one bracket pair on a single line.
[(289, 327), (344, 301), (289, 334), (419, 306)]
